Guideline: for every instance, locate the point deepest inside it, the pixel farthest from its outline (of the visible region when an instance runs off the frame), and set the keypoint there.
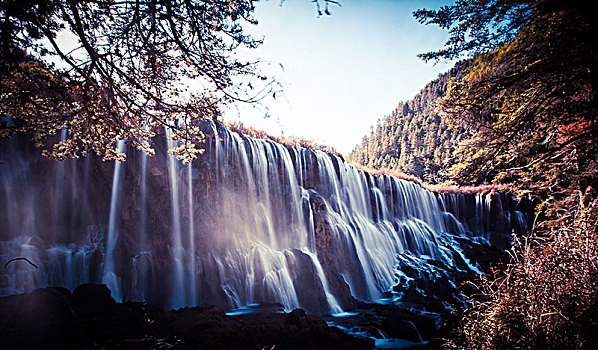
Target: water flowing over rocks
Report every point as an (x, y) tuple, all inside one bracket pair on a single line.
[(250, 221)]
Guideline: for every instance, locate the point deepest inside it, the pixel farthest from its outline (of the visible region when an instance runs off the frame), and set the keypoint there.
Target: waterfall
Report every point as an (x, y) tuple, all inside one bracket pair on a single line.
[(333, 305), (179, 296), (192, 269), (249, 221), (139, 270), (110, 277)]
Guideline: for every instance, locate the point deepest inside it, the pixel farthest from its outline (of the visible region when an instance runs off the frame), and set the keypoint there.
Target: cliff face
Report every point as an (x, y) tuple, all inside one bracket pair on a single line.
[(249, 221)]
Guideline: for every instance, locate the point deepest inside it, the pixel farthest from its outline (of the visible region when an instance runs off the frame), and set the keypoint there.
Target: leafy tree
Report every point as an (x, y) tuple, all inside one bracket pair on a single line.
[(528, 104), (478, 26), (128, 72), (527, 99)]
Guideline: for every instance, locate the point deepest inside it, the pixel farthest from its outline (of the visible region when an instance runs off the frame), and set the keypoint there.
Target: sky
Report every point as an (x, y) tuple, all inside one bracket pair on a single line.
[(339, 73)]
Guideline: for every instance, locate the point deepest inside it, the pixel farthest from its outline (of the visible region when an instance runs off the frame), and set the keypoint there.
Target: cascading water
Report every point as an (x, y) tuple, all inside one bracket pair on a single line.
[(110, 278), (335, 308), (178, 294), (249, 221), (191, 242), (140, 271)]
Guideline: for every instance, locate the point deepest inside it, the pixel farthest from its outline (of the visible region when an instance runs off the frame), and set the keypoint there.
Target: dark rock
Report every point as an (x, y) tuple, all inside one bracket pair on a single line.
[(92, 300), (38, 320), (303, 274), (485, 256), (52, 318), (327, 255), (298, 318), (210, 328), (406, 324), (391, 321)]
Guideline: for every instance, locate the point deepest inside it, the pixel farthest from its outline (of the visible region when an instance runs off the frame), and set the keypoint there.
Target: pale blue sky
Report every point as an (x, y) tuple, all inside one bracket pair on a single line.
[(342, 72)]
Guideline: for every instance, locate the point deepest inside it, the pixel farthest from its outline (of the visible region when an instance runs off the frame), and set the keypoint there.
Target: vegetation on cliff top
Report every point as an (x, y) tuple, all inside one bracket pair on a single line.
[(292, 141)]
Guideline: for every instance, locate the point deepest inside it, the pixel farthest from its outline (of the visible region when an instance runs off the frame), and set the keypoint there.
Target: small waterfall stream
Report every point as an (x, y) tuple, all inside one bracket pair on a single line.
[(110, 277), (249, 221), (179, 297), (191, 243)]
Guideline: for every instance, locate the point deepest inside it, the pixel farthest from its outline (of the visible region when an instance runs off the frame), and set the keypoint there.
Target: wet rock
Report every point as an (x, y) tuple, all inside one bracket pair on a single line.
[(303, 274), (210, 328), (484, 255), (391, 321), (327, 255)]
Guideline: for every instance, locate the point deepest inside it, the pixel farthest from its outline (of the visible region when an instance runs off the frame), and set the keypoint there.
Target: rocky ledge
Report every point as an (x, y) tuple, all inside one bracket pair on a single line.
[(53, 318)]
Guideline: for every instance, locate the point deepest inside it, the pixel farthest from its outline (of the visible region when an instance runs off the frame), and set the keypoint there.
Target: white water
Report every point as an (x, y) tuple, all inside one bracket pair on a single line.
[(240, 225), (178, 295), (191, 243), (333, 305), (110, 278)]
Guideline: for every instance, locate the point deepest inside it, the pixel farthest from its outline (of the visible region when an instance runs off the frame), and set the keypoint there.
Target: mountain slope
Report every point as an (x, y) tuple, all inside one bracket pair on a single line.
[(413, 139)]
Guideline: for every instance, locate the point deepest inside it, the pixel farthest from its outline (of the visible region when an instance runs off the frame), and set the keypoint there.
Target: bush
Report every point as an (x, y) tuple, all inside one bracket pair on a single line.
[(547, 297)]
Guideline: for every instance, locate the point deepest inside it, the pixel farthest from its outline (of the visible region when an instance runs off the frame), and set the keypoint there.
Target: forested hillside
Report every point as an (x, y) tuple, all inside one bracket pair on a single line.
[(413, 139), (527, 101)]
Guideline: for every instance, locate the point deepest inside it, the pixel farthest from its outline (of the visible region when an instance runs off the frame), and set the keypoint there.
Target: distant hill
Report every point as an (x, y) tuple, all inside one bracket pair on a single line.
[(413, 139)]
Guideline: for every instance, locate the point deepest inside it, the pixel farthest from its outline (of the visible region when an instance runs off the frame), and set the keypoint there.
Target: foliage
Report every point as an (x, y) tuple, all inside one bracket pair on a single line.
[(522, 111), (477, 26), (414, 139), (547, 297), (129, 72), (527, 104), (529, 107)]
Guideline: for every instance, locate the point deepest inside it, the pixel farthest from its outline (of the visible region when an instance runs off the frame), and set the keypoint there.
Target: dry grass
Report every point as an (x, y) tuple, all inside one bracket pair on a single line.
[(291, 141), (441, 188)]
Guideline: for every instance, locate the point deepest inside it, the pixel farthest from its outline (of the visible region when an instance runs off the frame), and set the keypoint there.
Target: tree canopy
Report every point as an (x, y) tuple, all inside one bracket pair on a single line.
[(527, 99), (477, 26), (128, 71), (414, 139), (527, 102)]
